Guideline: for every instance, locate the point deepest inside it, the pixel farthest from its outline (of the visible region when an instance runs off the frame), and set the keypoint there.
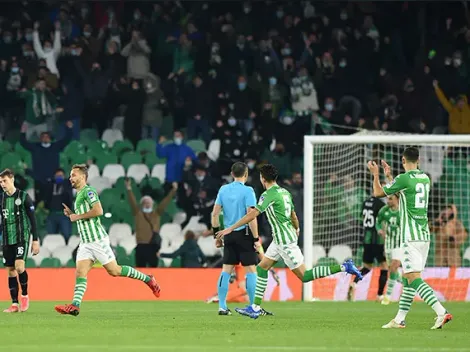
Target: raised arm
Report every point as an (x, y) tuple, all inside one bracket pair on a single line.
[(441, 96), (126, 50), (57, 46), (165, 201), (142, 44), (377, 187), (37, 45), (131, 198)]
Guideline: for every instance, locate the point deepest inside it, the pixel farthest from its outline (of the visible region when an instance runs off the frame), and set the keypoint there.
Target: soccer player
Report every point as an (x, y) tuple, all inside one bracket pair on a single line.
[(277, 203), (18, 226), (413, 187), (373, 246), (388, 226), (94, 242)]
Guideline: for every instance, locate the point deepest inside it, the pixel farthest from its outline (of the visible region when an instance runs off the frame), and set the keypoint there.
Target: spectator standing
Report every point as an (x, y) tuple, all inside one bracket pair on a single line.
[(147, 225), (133, 119), (137, 52), (57, 192), (459, 114), (190, 253), (152, 118), (48, 52), (176, 154)]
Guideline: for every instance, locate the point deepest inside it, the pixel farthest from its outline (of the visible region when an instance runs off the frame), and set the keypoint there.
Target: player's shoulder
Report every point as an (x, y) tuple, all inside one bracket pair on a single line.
[(91, 193)]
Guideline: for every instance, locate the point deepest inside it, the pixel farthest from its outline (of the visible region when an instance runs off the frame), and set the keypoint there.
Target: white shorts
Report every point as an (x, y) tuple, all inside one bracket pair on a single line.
[(96, 251), (393, 254), (414, 256), (289, 253)]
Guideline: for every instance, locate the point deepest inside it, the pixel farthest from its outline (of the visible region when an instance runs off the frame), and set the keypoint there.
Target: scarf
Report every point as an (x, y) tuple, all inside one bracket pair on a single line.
[(41, 105)]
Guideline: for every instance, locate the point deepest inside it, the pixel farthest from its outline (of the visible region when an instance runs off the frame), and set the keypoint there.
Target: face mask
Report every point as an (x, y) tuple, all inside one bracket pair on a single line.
[(273, 81), (29, 37), (329, 107), (247, 9), (137, 16), (287, 120), (280, 14), (15, 69), (447, 62), (342, 64), (45, 145), (232, 121), (47, 50), (200, 178), (7, 39), (86, 34), (178, 140), (457, 62), (267, 59), (251, 165), (59, 179), (286, 51), (147, 209), (73, 52), (343, 16), (242, 85)]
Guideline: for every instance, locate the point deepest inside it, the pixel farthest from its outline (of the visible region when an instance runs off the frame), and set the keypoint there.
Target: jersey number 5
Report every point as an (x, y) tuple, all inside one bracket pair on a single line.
[(422, 194), (287, 206)]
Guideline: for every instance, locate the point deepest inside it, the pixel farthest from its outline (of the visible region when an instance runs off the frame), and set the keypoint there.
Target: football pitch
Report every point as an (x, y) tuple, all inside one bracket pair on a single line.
[(195, 326)]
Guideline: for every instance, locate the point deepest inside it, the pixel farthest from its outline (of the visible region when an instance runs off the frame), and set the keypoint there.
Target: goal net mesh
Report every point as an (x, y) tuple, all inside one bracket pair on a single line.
[(341, 183)]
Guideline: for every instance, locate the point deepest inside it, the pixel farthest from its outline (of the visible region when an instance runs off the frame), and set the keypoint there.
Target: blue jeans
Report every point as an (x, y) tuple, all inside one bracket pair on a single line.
[(59, 223)]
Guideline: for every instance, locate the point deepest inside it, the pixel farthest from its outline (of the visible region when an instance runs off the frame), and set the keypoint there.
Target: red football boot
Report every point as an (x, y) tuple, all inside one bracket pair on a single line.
[(154, 286), (68, 309)]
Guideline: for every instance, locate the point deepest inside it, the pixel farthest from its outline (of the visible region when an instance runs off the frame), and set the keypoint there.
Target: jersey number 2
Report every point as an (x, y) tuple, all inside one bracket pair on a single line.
[(287, 206), (422, 194)]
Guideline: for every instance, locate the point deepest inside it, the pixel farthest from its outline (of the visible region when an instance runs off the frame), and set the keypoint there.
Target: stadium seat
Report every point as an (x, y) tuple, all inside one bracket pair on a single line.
[(11, 160), (102, 159), (96, 147), (53, 241), (43, 253), (169, 231), (146, 146), (25, 154), (195, 226), (30, 263), (120, 186), (138, 172), (93, 171), (100, 183), (207, 245), (113, 172), (73, 242), (159, 171), (50, 263), (121, 147), (172, 208), (176, 263), (13, 136), (340, 252), (64, 254), (79, 158), (128, 244), (118, 232), (466, 254), (197, 145), (152, 182), (151, 160), (179, 217), (108, 197), (213, 151), (31, 193), (88, 134), (129, 158), (324, 261), (111, 136), (318, 252), (74, 147), (5, 147), (70, 263)]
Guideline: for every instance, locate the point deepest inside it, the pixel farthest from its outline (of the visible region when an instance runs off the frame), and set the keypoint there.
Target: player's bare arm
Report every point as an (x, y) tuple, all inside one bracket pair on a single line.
[(243, 221), (215, 223), (374, 170), (96, 211), (295, 222), (387, 170), (254, 230)]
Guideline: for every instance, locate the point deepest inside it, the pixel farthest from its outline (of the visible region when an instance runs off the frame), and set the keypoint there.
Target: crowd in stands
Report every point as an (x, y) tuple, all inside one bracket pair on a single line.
[(255, 76)]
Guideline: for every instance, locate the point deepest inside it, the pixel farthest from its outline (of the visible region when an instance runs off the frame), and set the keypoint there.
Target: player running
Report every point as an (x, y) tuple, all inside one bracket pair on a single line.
[(388, 226), (277, 203), (413, 187), (18, 226), (94, 242)]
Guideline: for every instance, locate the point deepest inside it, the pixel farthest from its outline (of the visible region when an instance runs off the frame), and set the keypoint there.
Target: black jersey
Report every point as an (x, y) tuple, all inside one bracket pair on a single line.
[(370, 211)]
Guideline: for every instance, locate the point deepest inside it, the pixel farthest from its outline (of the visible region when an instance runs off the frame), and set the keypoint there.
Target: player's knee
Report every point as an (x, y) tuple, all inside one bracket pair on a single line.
[(12, 271), (19, 267)]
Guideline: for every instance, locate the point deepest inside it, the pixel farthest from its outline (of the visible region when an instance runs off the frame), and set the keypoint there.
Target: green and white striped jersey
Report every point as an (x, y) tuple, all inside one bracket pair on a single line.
[(277, 203), (413, 187), (388, 219), (90, 230)]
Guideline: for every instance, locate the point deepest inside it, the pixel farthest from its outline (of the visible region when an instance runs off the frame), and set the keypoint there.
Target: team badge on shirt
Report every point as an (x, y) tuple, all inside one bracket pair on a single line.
[(91, 195), (261, 200), (18, 201)]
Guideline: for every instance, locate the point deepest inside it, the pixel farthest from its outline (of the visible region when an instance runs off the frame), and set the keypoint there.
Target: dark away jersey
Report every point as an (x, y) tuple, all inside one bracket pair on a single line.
[(370, 212), (17, 212)]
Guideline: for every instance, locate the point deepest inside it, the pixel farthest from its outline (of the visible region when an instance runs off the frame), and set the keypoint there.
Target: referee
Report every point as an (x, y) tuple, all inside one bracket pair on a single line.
[(18, 225), (241, 246)]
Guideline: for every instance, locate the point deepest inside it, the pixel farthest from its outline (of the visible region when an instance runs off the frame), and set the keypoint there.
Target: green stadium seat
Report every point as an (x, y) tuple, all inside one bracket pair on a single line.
[(161, 263), (13, 136), (466, 263), (120, 185), (152, 159), (109, 196), (74, 147), (64, 159), (97, 146), (197, 145), (129, 158), (107, 220), (120, 253), (121, 147), (325, 261), (153, 182), (70, 264), (50, 263), (146, 146), (165, 219), (78, 158), (30, 263), (172, 209), (88, 134), (11, 160), (5, 147), (102, 159), (21, 150), (176, 263)]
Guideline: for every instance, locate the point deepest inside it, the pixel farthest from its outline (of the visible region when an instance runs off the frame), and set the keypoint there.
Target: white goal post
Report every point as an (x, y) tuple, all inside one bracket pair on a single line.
[(348, 155)]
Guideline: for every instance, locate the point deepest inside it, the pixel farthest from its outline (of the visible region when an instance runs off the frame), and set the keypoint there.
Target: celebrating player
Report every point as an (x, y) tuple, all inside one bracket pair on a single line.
[(277, 203), (94, 241), (18, 226), (413, 187), (388, 227)]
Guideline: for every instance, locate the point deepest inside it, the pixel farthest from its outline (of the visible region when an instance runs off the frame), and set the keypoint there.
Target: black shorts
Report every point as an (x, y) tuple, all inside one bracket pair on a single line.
[(373, 251), (14, 252), (239, 248)]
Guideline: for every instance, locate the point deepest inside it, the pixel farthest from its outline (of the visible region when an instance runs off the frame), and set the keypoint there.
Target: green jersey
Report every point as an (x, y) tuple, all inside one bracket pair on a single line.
[(90, 230), (17, 220), (413, 187), (389, 220), (277, 203)]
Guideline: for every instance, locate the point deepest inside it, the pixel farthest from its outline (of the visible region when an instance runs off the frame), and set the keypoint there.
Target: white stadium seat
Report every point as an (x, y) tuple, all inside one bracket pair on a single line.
[(119, 232), (159, 171), (100, 183), (318, 252), (111, 135), (64, 254), (43, 253), (179, 217), (53, 241), (466, 255), (128, 243), (93, 171), (207, 245), (118, 123), (73, 242), (340, 252), (213, 150), (113, 172), (138, 172)]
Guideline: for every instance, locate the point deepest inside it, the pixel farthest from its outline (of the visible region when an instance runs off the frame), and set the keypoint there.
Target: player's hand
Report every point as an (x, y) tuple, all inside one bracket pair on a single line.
[(35, 248), (257, 246), (223, 233), (67, 211), (219, 243), (387, 168), (73, 217), (382, 233), (297, 231), (373, 168), (174, 185)]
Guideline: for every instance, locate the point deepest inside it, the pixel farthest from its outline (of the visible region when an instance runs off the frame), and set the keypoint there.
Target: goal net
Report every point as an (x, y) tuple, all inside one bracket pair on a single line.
[(337, 182)]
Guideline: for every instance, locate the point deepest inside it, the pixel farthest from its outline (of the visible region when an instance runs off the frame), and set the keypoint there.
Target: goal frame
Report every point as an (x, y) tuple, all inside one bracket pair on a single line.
[(310, 141)]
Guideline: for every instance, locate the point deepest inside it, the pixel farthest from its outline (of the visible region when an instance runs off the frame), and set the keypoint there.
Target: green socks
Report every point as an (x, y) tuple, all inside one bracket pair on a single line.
[(261, 283), (80, 288), (129, 271), (428, 296), (320, 271), (392, 280)]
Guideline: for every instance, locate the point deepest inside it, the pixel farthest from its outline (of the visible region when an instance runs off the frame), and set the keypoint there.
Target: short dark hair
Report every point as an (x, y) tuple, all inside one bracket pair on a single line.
[(411, 154), (83, 168), (60, 170), (7, 173), (239, 169), (269, 172)]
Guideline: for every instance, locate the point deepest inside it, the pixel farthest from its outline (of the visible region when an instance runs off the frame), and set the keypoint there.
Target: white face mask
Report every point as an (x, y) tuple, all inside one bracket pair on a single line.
[(200, 178), (232, 121), (46, 145), (251, 165), (178, 141), (147, 210), (329, 107), (47, 50)]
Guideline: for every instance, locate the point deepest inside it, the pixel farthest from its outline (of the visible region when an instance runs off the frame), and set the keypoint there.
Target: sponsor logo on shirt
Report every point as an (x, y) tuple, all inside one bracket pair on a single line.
[(261, 200)]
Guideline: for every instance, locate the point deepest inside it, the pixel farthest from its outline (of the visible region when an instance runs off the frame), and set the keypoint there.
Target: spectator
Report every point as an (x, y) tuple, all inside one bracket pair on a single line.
[(137, 52), (153, 108), (9, 47), (209, 165), (245, 104), (176, 154), (274, 93), (459, 114), (40, 105), (45, 156), (147, 225), (198, 106), (183, 62), (133, 118), (190, 253), (57, 192), (48, 52)]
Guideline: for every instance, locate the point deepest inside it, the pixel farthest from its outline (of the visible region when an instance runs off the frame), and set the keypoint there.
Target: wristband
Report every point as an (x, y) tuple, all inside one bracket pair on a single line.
[(215, 229), (256, 239)]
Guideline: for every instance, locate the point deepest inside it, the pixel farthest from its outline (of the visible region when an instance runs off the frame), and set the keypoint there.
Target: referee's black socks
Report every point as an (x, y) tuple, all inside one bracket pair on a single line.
[(13, 285), (23, 278), (363, 271)]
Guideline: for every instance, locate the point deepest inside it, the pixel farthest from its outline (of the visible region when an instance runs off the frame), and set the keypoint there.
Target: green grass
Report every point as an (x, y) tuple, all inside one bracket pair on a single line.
[(194, 326)]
